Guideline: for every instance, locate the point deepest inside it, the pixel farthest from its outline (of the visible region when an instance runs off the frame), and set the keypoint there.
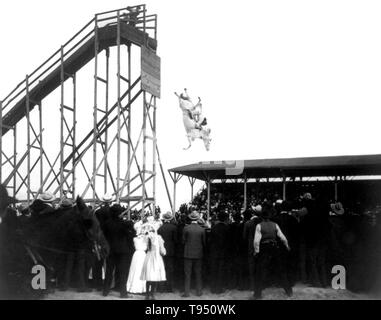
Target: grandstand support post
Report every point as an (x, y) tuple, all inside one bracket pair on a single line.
[(335, 188), (208, 196), (284, 187), (244, 192), (175, 178), (192, 182), (174, 193)]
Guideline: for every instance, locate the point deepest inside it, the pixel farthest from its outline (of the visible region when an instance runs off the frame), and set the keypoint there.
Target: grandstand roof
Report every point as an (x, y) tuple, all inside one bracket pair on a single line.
[(355, 165)]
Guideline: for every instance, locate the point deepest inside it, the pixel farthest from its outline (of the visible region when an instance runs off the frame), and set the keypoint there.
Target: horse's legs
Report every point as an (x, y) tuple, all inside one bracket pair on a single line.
[(190, 143)]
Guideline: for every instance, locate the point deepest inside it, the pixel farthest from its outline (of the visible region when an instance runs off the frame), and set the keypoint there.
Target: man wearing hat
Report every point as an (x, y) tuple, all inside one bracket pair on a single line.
[(168, 231), (43, 204), (218, 248), (267, 252), (194, 245), (248, 236), (5, 250), (66, 260)]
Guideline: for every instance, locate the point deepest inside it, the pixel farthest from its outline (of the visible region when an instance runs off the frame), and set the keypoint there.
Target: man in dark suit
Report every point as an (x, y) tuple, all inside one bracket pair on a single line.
[(218, 248), (168, 232), (248, 236), (119, 234), (194, 246)]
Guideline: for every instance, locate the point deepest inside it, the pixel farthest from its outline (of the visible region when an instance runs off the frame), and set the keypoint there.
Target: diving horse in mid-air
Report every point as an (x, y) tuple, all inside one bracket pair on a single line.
[(194, 121)]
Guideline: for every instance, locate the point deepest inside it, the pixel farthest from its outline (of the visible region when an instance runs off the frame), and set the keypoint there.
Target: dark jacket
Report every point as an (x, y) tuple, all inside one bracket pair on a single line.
[(237, 246), (119, 235), (194, 241), (219, 241), (102, 214), (249, 232), (168, 232)]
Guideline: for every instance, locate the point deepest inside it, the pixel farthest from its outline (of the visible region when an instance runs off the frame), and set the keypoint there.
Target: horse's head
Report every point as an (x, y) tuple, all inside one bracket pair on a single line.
[(89, 220)]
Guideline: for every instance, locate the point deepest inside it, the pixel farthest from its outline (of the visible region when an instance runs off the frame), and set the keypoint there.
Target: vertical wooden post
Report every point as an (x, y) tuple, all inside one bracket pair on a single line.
[(62, 146), (208, 197), (41, 146), (74, 134), (335, 188), (192, 182), (28, 138), (154, 153), (129, 121), (106, 121), (245, 192), (284, 188), (174, 193), (119, 112)]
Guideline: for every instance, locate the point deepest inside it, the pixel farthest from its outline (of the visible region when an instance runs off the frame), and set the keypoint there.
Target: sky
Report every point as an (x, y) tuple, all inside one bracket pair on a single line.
[(277, 79)]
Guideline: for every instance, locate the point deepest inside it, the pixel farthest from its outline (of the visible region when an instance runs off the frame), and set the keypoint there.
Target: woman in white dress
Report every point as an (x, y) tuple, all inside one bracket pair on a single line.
[(153, 268), (134, 283)]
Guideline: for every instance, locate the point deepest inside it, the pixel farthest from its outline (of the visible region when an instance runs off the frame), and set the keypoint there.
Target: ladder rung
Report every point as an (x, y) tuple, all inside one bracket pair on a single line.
[(102, 80), (125, 79), (68, 144), (100, 175), (124, 141), (69, 74), (150, 138), (101, 142), (66, 170), (148, 171), (68, 108), (100, 110), (34, 147)]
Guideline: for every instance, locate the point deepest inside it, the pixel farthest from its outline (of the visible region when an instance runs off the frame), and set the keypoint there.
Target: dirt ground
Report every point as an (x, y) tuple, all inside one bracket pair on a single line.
[(301, 292)]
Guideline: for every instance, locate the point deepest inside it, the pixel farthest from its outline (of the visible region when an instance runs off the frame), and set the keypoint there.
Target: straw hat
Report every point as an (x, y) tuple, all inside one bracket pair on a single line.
[(107, 198), (194, 216), (67, 203), (307, 196), (167, 216), (47, 197), (257, 208), (337, 208)]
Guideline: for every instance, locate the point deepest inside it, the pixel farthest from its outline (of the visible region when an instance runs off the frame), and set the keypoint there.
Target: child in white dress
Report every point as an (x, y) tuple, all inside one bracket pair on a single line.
[(134, 283), (153, 268)]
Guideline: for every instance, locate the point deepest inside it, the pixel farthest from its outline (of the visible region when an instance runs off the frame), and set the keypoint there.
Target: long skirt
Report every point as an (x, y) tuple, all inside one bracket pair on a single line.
[(134, 283)]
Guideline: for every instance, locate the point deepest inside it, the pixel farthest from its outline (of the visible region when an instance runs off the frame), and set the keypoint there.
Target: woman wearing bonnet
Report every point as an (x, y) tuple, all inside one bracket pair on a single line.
[(153, 267), (134, 284)]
